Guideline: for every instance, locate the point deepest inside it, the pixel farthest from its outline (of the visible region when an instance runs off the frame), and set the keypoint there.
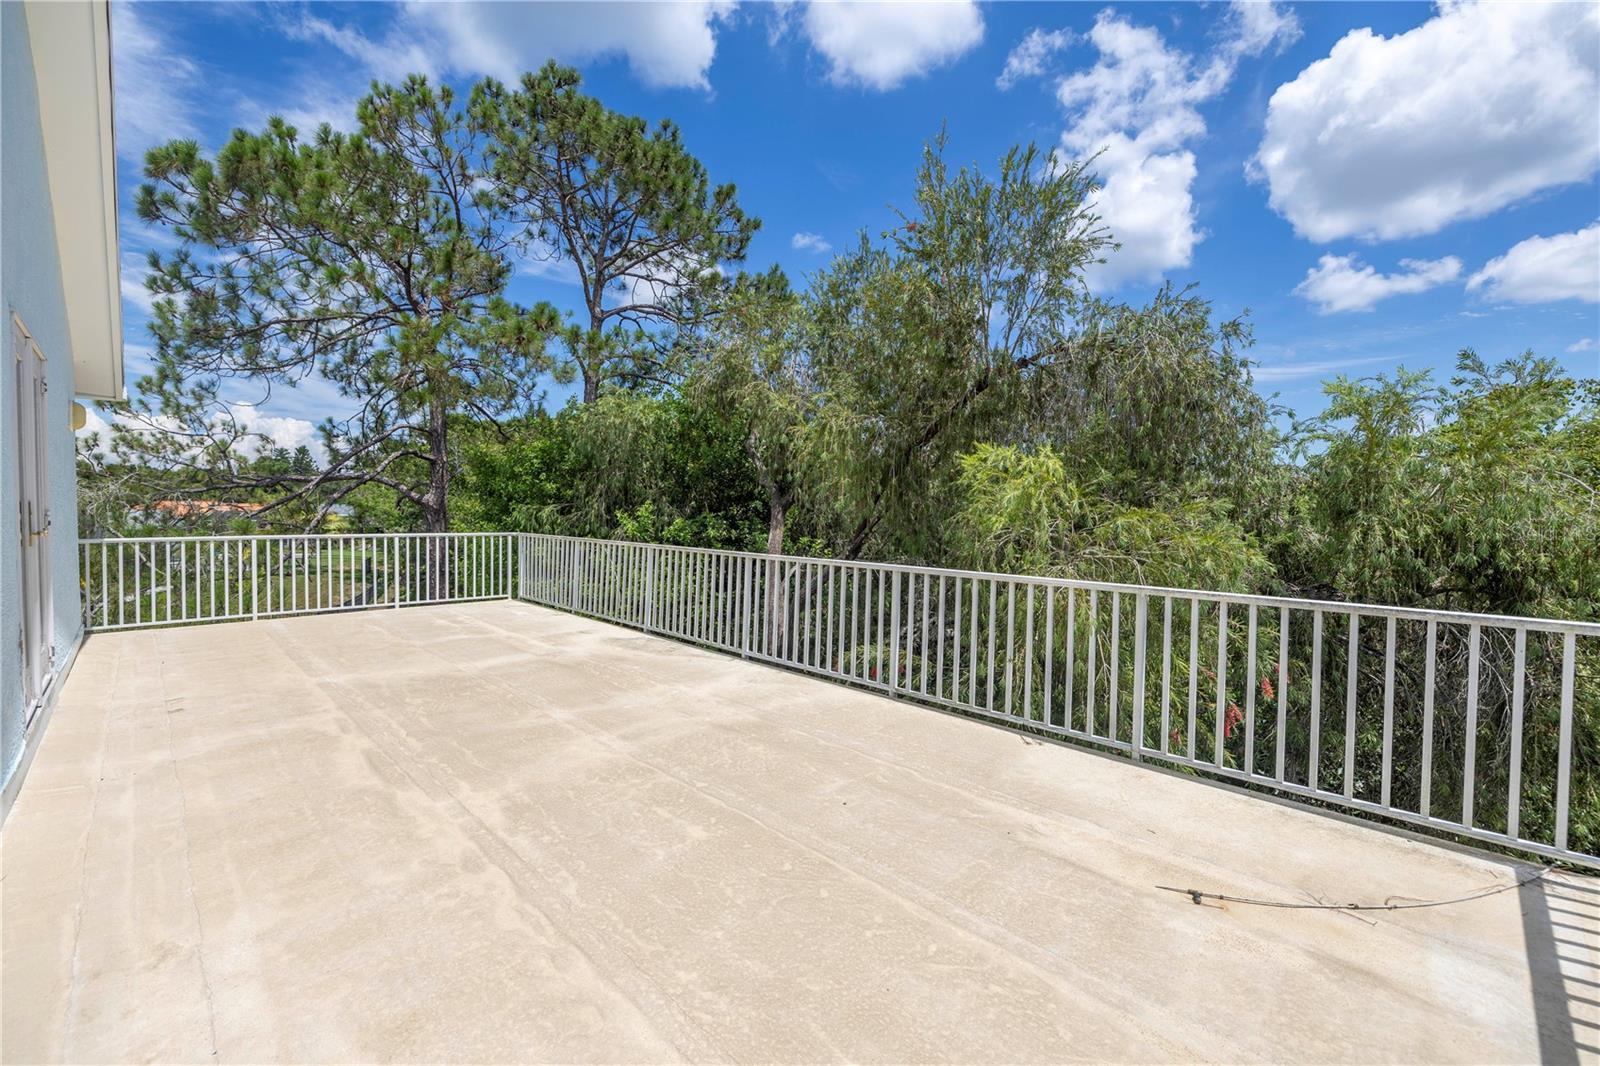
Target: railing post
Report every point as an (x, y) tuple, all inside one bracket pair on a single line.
[(577, 574), (651, 551), (1141, 608), (747, 573), (254, 582), (894, 632)]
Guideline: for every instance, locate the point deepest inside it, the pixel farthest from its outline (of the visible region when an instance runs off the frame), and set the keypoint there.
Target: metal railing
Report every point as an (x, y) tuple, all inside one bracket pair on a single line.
[(1481, 726), (1461, 723), (158, 581)]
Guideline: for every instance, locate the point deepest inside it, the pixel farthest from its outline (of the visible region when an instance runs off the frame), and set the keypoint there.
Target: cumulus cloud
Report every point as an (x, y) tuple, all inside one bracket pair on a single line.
[(1029, 58), (1545, 269), (265, 431), (1582, 344), (156, 83), (1138, 107), (879, 45), (282, 432), (810, 242), (135, 296), (1480, 106), (666, 45), (1344, 283)]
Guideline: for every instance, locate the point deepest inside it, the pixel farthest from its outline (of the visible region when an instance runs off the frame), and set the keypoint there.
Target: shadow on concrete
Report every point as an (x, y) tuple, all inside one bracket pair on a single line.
[(1561, 928)]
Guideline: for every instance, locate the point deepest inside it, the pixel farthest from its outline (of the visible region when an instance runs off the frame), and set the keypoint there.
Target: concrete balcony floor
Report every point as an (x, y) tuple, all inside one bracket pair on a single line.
[(494, 832)]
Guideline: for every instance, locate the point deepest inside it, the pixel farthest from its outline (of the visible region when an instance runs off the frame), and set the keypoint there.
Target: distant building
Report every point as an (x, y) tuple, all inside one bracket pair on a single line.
[(190, 510)]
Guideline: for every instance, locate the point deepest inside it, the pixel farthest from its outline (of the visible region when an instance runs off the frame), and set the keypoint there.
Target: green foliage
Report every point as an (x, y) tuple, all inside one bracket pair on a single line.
[(624, 204), (372, 260), (626, 465), (1022, 512), (1480, 496), (923, 344), (1157, 401)]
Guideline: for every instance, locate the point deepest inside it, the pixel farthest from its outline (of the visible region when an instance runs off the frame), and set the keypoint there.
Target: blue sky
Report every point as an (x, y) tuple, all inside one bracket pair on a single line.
[(1379, 184)]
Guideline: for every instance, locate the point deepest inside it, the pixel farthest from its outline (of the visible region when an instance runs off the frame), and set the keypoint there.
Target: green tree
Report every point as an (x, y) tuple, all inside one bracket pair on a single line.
[(1156, 402), (1479, 496), (1023, 512), (925, 343), (625, 205), (375, 260), (756, 370)]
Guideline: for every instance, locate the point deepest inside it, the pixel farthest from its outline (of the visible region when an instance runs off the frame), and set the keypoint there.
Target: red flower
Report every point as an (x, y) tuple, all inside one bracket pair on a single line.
[(1266, 687), (1231, 719)]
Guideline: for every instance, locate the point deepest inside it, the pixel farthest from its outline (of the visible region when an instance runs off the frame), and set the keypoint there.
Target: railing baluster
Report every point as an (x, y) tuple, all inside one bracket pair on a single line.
[(1469, 761), (1072, 657), (1388, 709), (1113, 696), (1250, 692), (1514, 780), (972, 653), (1027, 658), (1569, 659), (1049, 654), (1352, 679), (994, 625), (1088, 681), (1166, 675), (1011, 625), (1136, 724), (1314, 756), (1194, 674), (1283, 694)]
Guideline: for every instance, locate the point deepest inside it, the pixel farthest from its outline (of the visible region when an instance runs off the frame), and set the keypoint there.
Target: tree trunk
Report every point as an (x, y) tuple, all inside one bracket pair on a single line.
[(436, 501), (591, 387), (777, 514)]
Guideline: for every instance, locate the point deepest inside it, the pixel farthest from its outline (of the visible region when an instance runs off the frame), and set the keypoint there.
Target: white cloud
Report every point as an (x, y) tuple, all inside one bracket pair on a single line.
[(667, 45), (1583, 344), (1032, 53), (135, 296), (1259, 25), (1480, 106), (155, 84), (284, 432), (1545, 269), (1292, 371), (1138, 107), (810, 242), (881, 44), (1344, 283)]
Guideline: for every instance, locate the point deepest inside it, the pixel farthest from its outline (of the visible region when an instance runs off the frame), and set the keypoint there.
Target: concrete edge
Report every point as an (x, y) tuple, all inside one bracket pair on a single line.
[(36, 728)]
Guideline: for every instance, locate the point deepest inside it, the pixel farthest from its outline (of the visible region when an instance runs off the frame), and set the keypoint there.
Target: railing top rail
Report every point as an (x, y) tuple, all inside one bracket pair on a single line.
[(287, 536), (1420, 614)]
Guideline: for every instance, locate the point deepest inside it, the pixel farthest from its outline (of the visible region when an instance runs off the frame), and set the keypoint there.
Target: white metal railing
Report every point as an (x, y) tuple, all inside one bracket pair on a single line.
[(1477, 725), (135, 582), (1462, 723)]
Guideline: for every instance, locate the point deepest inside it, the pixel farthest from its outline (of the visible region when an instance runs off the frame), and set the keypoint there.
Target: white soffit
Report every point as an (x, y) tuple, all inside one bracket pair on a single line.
[(71, 43)]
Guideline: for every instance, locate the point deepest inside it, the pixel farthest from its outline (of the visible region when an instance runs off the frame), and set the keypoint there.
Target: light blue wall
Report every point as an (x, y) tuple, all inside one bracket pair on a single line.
[(30, 285)]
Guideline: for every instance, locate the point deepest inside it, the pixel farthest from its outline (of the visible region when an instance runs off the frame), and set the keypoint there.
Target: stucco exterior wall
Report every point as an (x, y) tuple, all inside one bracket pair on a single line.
[(31, 286)]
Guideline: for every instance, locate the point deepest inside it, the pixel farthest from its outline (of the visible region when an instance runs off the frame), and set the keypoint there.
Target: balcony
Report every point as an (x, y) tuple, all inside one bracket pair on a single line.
[(492, 830)]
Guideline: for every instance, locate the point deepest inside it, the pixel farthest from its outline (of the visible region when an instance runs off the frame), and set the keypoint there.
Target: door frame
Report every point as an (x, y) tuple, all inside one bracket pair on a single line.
[(33, 516)]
